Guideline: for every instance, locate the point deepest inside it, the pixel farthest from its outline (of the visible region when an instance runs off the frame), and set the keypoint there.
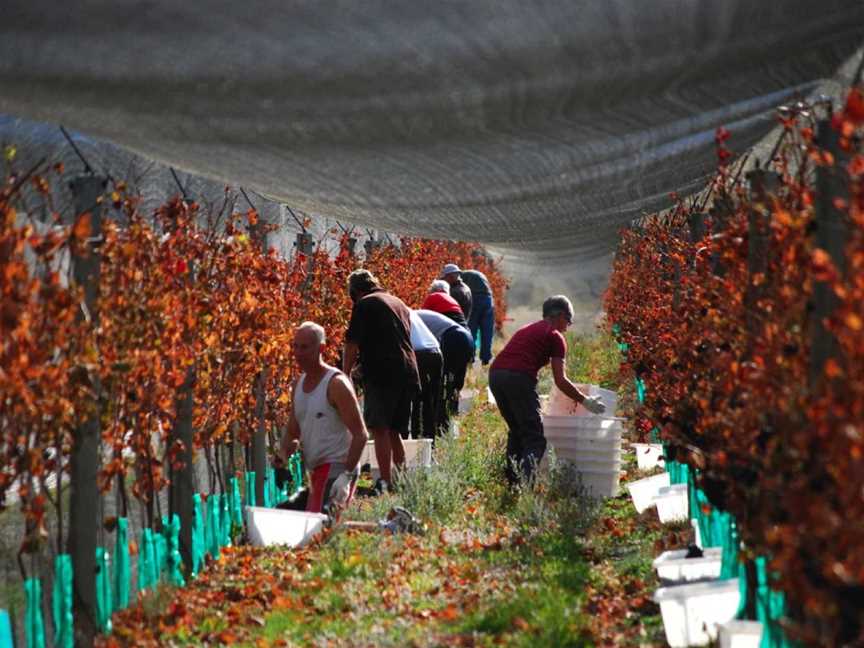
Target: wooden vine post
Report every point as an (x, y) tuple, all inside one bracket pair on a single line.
[(830, 232), (84, 462), (182, 491), (259, 436)]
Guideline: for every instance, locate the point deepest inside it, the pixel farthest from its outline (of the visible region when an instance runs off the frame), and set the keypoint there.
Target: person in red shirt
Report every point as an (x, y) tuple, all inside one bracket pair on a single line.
[(440, 301), (513, 381)]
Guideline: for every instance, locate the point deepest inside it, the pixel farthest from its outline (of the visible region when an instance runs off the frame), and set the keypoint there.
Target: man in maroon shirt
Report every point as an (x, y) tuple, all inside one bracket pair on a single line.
[(513, 381), (379, 334)]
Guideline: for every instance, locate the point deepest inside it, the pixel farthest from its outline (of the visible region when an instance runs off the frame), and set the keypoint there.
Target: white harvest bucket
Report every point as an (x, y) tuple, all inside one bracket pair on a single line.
[(740, 634), (672, 566), (691, 613), (600, 483), (648, 455), (466, 400), (418, 453), (643, 491), (269, 526), (672, 503)]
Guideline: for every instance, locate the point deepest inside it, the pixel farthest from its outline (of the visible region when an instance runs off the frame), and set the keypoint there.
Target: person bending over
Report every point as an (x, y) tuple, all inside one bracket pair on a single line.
[(513, 381), (379, 334)]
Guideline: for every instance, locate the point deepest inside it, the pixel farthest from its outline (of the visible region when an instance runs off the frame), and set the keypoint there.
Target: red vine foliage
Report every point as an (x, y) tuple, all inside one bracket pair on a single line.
[(182, 307), (720, 327)]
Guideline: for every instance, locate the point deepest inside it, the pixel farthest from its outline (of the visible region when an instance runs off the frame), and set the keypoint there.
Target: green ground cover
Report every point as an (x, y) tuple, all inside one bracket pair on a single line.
[(543, 566)]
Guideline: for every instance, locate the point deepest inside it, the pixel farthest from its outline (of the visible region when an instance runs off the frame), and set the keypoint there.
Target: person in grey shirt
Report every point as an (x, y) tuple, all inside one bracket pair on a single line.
[(459, 290)]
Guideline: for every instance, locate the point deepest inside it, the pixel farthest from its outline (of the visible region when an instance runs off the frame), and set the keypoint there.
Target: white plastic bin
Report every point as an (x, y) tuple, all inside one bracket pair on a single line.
[(740, 634), (600, 483), (418, 453), (672, 566), (648, 455), (466, 400), (269, 526), (672, 503), (691, 613), (559, 404), (643, 491)]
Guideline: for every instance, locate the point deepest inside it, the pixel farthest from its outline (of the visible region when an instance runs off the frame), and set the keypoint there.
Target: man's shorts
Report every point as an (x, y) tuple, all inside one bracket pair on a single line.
[(388, 406)]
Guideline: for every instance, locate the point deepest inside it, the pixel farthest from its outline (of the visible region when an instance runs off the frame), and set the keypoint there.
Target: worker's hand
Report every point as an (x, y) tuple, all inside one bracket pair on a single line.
[(341, 489), (594, 404)]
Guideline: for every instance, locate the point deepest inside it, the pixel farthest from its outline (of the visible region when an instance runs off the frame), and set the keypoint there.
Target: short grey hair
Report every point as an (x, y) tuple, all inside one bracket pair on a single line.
[(316, 328), (439, 285), (557, 305)]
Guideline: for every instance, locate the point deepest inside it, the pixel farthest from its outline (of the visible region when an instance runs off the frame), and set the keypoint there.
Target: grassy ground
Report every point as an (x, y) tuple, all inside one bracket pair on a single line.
[(539, 567)]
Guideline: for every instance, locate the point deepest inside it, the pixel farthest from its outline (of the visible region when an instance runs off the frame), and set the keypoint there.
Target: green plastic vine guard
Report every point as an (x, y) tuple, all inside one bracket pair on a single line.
[(268, 500), (61, 603), (198, 548), (730, 566), (236, 502), (160, 544), (173, 560), (296, 467), (271, 486), (34, 626), (282, 494), (103, 591), (770, 609), (148, 574), (213, 526), (225, 520), (121, 566), (250, 488), (5, 630)]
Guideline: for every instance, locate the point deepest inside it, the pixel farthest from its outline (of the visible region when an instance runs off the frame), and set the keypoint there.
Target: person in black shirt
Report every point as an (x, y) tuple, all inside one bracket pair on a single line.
[(379, 335)]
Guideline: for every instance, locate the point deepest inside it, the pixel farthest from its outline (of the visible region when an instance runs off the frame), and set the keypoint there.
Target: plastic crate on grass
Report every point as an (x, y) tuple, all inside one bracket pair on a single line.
[(418, 454), (692, 613), (672, 503), (466, 400), (648, 455), (740, 634), (268, 526), (643, 491), (675, 568)]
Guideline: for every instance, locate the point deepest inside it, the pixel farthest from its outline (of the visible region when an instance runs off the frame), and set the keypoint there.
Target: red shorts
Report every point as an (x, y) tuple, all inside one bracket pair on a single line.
[(320, 482)]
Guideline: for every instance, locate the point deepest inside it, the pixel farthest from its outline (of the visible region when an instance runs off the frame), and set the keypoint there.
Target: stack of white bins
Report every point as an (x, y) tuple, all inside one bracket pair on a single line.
[(591, 443)]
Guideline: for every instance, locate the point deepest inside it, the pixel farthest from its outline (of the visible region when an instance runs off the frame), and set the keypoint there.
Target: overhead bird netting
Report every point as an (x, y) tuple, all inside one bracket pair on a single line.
[(537, 127)]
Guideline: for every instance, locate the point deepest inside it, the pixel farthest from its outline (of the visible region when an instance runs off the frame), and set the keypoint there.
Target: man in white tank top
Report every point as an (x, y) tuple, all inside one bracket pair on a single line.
[(326, 423)]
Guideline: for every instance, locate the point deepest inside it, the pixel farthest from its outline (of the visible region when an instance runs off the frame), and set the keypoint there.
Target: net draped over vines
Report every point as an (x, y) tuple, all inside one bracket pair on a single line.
[(537, 127)]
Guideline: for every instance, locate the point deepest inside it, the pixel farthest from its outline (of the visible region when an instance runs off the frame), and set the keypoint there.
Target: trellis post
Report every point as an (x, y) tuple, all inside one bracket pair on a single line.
[(87, 191)]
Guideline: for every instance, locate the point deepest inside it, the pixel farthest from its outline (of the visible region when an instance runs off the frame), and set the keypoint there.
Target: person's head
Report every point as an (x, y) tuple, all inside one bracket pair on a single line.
[(558, 311), (308, 340), (451, 273), (360, 283), (439, 285)]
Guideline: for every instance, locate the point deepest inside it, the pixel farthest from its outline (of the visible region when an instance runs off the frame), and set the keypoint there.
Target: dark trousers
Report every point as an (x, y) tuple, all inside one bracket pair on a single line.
[(516, 396), (457, 347), (482, 318), (424, 408)]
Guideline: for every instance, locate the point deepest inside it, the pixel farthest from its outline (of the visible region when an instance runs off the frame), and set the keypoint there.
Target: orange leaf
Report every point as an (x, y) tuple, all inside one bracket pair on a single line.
[(82, 228)]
